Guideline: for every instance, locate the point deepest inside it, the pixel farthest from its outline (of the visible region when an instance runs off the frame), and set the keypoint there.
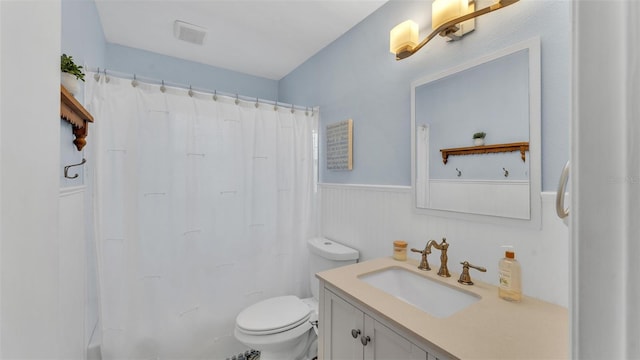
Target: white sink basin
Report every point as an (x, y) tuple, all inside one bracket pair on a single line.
[(430, 296)]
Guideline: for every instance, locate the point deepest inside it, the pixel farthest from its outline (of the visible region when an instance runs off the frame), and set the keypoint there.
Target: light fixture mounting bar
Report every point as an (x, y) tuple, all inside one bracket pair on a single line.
[(499, 5)]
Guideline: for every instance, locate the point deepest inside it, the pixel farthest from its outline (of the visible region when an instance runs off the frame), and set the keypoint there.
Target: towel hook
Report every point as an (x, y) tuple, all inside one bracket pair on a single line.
[(506, 172), (66, 169), (459, 172)]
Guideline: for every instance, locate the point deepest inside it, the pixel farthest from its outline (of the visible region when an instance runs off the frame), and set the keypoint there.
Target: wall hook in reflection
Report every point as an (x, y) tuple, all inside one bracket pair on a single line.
[(459, 172), (506, 172), (66, 169)]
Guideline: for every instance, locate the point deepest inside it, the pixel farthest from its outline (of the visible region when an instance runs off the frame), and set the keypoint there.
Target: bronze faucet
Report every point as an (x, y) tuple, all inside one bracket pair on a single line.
[(465, 278), (424, 264), (443, 246)]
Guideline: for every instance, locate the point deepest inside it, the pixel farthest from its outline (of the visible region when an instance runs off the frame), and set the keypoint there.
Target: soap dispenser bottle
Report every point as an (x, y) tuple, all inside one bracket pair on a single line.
[(510, 287)]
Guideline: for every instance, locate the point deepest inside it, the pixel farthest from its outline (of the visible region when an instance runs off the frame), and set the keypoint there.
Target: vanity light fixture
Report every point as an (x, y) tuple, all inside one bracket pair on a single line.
[(449, 18)]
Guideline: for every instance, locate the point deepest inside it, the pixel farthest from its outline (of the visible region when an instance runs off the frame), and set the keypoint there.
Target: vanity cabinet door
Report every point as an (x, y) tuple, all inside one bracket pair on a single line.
[(342, 321), (350, 334), (386, 344)]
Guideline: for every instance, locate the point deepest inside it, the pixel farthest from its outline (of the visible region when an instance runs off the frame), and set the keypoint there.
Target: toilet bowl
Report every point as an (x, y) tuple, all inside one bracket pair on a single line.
[(280, 327), (283, 327)]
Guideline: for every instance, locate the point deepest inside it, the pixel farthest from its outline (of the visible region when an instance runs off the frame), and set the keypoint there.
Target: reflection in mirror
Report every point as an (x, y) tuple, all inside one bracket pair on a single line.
[(457, 175)]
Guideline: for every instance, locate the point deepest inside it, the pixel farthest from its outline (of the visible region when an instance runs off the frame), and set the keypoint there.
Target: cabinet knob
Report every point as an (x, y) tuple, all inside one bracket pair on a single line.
[(365, 340), (355, 333)]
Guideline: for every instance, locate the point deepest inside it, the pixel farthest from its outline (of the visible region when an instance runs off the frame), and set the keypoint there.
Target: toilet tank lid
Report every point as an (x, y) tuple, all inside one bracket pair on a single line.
[(332, 250)]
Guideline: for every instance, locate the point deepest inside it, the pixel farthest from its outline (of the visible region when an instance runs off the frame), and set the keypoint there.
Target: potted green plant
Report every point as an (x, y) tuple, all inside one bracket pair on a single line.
[(71, 74), (478, 138)]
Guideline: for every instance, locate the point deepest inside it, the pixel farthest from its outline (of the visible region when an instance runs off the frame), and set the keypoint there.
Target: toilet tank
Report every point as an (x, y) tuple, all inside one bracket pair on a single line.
[(325, 254)]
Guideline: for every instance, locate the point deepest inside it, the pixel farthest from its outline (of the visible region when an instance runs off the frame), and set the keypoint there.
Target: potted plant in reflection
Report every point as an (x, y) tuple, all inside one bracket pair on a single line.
[(478, 138), (71, 74)]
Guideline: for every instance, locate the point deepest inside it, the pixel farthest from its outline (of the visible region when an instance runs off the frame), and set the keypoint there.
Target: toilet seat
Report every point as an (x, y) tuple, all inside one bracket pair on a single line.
[(274, 315)]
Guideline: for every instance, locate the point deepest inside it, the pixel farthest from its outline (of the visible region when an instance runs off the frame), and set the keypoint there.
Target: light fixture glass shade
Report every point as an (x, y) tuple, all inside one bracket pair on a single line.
[(445, 10), (404, 36)]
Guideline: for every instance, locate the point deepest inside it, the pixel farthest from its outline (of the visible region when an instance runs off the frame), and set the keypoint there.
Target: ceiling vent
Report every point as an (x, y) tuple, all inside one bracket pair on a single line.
[(188, 32)]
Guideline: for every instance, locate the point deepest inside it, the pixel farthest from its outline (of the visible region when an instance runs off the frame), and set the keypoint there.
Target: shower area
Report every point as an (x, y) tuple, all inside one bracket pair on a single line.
[(202, 205)]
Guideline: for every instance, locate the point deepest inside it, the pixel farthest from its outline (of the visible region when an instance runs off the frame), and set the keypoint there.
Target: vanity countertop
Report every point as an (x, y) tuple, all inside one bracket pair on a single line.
[(491, 328)]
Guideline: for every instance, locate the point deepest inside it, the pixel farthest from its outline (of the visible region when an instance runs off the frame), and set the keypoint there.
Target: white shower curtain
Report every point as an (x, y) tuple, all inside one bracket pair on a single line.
[(202, 208)]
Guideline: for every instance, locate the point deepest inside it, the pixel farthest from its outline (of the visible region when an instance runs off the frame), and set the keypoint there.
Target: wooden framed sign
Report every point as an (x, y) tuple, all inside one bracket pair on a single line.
[(340, 145)]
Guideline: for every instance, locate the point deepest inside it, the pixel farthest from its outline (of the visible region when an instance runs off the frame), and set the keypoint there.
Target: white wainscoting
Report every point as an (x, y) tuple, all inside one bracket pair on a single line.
[(495, 198), (369, 218), (72, 269)]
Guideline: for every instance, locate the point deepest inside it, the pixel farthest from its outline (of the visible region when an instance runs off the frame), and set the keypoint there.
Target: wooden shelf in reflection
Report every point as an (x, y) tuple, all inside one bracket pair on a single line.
[(523, 147)]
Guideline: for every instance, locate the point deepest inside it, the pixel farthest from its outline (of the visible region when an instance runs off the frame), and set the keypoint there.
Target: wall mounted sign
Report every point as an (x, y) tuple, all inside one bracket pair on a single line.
[(340, 145)]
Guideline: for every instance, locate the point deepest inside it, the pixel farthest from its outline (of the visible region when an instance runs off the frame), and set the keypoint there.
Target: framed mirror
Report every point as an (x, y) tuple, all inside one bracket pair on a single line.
[(454, 174)]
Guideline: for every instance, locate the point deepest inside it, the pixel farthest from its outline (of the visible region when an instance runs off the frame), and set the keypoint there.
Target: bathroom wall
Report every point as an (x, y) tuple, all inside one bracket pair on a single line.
[(83, 39), (200, 76), (370, 217), (30, 322), (357, 77)]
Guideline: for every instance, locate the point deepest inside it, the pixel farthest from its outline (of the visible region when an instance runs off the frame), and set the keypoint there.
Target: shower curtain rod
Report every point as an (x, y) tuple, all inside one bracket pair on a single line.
[(97, 72)]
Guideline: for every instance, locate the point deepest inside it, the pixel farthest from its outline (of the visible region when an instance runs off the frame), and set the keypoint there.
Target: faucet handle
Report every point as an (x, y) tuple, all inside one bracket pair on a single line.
[(424, 263), (465, 278)]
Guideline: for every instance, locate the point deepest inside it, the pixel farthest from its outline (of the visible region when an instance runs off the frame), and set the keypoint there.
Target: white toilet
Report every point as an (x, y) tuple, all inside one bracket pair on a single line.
[(281, 327)]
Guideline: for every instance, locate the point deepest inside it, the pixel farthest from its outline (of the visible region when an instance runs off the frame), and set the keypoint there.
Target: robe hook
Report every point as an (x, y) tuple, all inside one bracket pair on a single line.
[(66, 169)]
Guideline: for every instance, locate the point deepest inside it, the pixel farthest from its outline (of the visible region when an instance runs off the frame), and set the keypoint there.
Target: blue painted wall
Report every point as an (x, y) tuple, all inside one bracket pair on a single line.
[(83, 39), (357, 77), (200, 76)]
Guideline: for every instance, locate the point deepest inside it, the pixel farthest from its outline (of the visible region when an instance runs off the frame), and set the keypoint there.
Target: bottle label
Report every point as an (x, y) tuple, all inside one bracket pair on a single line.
[(505, 279)]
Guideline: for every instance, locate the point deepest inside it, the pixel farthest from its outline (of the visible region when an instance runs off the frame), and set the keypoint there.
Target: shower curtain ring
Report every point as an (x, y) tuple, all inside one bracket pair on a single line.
[(215, 95), (134, 82), (190, 91), (292, 110), (106, 77), (162, 87), (257, 103), (96, 76), (275, 107), (237, 100)]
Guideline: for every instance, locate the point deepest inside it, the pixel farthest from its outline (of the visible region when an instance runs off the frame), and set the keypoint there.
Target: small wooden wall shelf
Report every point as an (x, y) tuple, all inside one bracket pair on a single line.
[(73, 112), (486, 149)]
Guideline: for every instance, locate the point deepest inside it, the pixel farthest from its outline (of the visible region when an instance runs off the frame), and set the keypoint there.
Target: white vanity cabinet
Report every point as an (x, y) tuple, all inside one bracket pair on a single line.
[(350, 332)]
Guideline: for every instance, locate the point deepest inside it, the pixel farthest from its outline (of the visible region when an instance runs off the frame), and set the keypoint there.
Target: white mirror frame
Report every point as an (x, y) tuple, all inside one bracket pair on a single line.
[(535, 145)]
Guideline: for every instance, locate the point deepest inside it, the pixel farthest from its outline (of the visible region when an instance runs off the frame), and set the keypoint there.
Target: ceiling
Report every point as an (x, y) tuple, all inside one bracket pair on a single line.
[(265, 38)]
